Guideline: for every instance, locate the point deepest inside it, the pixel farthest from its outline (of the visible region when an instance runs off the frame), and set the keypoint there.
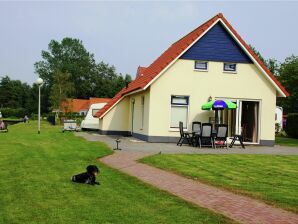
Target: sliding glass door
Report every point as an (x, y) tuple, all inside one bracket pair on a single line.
[(244, 120), (250, 121)]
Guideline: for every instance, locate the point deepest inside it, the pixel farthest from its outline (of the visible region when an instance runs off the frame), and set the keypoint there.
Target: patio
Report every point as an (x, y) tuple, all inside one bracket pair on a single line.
[(129, 144)]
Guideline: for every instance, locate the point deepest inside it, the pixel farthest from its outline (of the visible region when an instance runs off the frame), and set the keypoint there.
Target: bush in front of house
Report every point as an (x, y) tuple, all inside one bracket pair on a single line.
[(292, 125)]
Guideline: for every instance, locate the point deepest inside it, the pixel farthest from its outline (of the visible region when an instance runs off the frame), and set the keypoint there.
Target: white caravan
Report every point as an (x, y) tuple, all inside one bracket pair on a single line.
[(91, 122), (278, 118)]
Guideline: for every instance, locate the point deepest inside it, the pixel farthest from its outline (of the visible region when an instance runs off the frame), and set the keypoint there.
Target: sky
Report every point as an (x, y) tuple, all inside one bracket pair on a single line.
[(129, 34)]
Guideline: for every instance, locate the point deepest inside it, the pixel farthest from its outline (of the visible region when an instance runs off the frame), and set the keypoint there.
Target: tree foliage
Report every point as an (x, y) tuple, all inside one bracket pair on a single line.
[(68, 70), (292, 125), (18, 95), (61, 89), (90, 79), (288, 76), (272, 64), (13, 93)]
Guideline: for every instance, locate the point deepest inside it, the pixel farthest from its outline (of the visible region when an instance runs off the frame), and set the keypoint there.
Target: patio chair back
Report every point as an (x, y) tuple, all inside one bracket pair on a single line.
[(181, 128), (206, 130), (221, 131), (184, 136), (196, 127)]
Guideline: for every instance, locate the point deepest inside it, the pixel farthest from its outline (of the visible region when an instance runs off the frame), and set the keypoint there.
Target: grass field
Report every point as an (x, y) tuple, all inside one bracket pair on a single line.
[(270, 178), (35, 184), (286, 141)]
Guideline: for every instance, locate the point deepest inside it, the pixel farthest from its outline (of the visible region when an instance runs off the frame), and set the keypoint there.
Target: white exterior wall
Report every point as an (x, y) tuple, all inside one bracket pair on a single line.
[(117, 118), (181, 79)]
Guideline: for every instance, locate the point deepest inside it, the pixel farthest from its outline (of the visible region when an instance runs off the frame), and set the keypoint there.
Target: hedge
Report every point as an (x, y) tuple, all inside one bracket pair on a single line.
[(292, 125), (13, 112)]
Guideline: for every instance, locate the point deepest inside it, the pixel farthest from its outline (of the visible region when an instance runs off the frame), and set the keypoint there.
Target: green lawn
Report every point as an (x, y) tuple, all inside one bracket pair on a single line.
[(286, 141), (273, 179), (35, 184)]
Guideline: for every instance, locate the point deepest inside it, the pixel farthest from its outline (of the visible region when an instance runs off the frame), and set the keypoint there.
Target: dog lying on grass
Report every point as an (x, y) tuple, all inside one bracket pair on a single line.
[(88, 177)]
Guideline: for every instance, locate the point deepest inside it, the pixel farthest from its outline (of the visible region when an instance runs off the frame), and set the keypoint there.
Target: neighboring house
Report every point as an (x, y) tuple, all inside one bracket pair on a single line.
[(210, 61), (81, 106)]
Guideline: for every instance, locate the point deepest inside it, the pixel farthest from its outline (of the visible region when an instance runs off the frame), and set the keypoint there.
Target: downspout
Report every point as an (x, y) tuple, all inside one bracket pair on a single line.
[(132, 114)]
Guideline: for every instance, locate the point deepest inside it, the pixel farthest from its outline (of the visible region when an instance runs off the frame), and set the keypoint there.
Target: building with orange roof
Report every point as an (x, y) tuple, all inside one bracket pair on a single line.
[(212, 61), (81, 106)]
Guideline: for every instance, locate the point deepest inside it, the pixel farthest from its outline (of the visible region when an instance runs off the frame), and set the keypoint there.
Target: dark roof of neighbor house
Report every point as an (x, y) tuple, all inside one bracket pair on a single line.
[(146, 75)]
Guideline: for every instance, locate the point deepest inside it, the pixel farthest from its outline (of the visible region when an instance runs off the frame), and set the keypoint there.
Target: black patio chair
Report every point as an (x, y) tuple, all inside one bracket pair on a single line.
[(184, 136), (196, 133), (220, 138), (206, 138)]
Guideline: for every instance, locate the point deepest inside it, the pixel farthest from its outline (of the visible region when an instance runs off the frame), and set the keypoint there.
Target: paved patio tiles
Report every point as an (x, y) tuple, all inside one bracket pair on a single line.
[(129, 144), (240, 208)]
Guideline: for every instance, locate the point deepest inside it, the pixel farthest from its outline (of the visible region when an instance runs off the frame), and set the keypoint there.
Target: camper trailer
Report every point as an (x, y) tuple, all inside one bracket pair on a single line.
[(278, 119), (91, 122)]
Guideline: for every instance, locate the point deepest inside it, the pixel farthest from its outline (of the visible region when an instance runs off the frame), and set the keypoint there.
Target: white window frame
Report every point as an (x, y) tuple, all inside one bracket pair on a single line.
[(200, 69), (229, 71), (179, 105)]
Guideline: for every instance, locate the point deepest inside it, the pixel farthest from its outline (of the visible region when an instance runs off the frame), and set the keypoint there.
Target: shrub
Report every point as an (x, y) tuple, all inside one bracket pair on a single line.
[(292, 125), (282, 133), (13, 112)]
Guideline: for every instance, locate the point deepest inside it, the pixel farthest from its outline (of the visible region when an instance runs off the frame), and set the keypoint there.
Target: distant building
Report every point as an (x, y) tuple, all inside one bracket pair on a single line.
[(80, 106)]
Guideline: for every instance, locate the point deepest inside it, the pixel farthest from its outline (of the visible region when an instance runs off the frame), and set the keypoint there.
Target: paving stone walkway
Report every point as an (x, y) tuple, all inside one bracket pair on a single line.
[(240, 208)]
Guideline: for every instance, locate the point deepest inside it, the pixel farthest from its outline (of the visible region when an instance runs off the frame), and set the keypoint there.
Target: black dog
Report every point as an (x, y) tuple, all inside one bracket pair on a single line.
[(88, 177)]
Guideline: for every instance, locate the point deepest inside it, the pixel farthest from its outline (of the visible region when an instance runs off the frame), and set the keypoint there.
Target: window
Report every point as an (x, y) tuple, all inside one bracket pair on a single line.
[(143, 110), (201, 65), (229, 67), (94, 111), (179, 111)]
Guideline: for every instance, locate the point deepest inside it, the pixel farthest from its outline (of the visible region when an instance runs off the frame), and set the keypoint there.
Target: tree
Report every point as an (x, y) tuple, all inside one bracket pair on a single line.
[(258, 54), (107, 82), (90, 79), (271, 63), (14, 93), (61, 89), (21, 96), (288, 76), (68, 56), (273, 66)]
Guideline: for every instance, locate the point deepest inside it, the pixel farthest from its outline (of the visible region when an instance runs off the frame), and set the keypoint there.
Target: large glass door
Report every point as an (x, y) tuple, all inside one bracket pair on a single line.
[(250, 121), (244, 120)]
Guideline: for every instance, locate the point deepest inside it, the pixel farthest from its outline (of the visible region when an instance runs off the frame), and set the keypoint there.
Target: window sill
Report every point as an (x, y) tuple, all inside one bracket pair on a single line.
[(176, 129), (198, 70), (231, 72)]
